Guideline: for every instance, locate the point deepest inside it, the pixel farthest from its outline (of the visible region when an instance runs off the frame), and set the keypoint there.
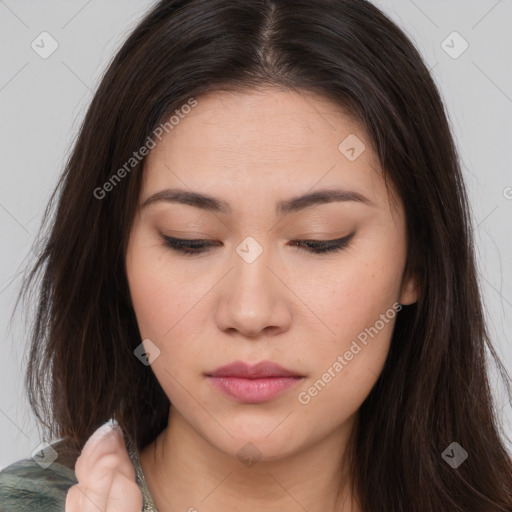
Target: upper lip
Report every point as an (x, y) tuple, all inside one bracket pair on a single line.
[(259, 370)]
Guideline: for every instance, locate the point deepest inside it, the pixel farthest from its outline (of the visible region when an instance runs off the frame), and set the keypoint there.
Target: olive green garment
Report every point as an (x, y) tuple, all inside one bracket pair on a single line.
[(26, 486)]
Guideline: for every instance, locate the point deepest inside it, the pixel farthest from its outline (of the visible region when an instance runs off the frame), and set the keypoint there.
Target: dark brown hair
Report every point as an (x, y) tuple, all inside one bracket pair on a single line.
[(434, 388)]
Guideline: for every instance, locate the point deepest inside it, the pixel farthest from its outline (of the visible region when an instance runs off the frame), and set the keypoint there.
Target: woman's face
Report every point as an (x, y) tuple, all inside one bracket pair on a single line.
[(253, 295)]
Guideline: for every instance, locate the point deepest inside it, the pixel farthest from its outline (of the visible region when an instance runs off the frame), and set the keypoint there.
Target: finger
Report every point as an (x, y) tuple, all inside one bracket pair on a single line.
[(106, 441), (81, 499), (100, 475), (103, 455), (124, 496), (103, 461)]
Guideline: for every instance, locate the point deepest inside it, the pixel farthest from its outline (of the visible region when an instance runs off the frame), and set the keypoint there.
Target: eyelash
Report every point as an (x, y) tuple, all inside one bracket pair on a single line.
[(198, 246)]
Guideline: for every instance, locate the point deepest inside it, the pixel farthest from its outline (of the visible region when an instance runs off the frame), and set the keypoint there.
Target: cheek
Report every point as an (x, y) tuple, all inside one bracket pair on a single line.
[(363, 295), (358, 308), (170, 309), (160, 300), (351, 296), (147, 291), (346, 371)]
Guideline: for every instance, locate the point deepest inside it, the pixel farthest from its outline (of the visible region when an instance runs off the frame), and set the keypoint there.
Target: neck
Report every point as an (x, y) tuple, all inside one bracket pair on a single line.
[(186, 473)]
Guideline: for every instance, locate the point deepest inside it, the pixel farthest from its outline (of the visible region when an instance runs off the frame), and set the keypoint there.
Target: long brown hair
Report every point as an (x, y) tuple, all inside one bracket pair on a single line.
[(434, 388)]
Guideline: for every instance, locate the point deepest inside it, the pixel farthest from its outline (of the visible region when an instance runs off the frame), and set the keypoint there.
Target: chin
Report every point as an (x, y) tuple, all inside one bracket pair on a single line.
[(250, 446)]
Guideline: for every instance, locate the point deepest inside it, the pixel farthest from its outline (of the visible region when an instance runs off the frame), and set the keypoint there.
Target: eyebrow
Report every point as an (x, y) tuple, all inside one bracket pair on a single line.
[(291, 205)]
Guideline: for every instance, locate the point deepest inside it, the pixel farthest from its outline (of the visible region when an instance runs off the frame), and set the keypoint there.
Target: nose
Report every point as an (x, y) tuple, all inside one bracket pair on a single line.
[(252, 300)]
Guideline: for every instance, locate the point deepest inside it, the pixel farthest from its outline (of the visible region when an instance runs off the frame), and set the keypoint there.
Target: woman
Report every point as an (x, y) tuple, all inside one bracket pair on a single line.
[(261, 267)]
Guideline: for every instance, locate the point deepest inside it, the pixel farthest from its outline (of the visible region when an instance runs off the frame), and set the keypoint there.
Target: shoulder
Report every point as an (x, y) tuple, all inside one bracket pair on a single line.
[(28, 485)]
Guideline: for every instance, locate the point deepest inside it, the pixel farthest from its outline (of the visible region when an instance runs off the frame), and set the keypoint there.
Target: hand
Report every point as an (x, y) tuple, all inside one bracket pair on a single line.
[(105, 474)]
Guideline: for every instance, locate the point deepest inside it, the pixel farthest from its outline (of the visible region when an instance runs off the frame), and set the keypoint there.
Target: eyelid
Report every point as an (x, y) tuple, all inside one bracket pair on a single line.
[(186, 246), (333, 245)]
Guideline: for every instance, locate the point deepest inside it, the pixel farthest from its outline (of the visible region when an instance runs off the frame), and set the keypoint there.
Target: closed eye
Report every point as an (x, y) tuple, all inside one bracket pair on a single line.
[(200, 246), (323, 246)]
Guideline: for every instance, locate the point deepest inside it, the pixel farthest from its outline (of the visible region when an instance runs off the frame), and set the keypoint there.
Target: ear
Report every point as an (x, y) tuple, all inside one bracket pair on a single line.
[(409, 290)]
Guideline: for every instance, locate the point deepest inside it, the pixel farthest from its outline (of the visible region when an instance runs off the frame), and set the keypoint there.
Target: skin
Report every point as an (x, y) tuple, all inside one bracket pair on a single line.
[(302, 310), (105, 474)]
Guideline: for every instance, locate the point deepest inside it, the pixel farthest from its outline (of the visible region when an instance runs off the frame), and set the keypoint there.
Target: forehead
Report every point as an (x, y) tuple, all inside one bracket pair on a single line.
[(260, 142)]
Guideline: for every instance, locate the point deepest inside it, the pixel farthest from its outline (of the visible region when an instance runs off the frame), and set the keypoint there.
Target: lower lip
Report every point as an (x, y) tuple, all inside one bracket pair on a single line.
[(253, 390)]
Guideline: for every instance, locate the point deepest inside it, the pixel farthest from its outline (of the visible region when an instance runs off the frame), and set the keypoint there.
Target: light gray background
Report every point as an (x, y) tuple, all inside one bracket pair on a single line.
[(42, 102)]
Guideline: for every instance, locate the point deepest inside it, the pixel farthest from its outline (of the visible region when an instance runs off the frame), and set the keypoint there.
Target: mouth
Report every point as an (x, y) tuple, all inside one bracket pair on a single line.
[(253, 384)]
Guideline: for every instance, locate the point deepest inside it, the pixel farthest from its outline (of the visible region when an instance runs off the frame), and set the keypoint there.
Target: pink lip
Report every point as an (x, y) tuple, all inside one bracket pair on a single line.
[(253, 384), (247, 371)]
